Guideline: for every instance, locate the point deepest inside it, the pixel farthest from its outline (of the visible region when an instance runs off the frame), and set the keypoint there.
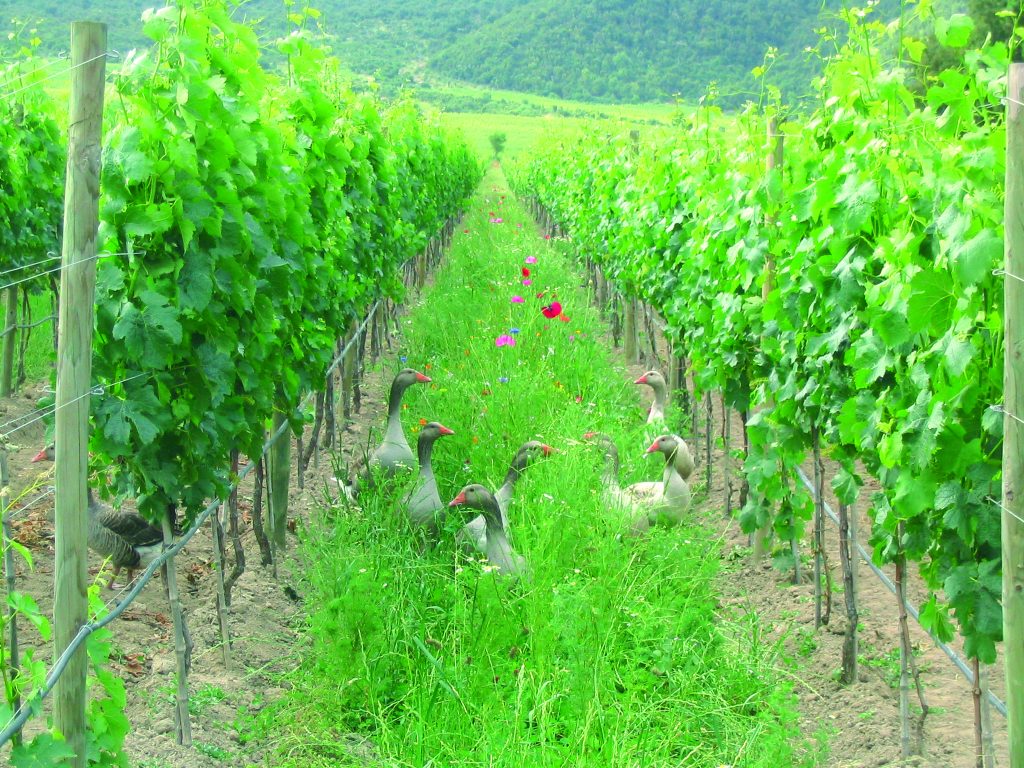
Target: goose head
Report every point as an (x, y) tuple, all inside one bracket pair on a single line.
[(47, 454), (476, 497), (432, 430), (653, 379)]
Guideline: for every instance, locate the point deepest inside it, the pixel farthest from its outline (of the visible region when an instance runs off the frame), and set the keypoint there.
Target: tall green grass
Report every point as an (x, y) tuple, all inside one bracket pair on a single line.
[(612, 653)]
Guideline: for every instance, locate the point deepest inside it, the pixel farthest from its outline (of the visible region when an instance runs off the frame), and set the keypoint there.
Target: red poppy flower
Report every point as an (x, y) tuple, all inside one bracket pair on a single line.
[(526, 272), (541, 294), (552, 310)]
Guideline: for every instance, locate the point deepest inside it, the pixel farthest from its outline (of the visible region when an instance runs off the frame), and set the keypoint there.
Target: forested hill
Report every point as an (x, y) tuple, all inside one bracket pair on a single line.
[(639, 50), (599, 50)]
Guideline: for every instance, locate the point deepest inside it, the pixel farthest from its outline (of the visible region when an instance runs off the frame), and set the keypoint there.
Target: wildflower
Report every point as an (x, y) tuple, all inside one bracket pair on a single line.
[(423, 422), (465, 231), (504, 341), (518, 299), (552, 310), (485, 391), (403, 358), (513, 330), (527, 281), (503, 379), (563, 318), (526, 272), (531, 259), (547, 237)]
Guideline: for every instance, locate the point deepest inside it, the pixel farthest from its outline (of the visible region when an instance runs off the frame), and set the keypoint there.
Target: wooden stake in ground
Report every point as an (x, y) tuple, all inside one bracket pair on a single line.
[(222, 603), (182, 645), (848, 561), (10, 341), (278, 473), (773, 161), (1013, 402), (13, 663), (629, 345), (74, 369)]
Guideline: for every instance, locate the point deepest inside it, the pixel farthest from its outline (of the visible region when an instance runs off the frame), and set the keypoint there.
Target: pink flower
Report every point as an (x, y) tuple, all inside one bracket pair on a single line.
[(504, 341), (517, 299), (531, 259), (527, 281)]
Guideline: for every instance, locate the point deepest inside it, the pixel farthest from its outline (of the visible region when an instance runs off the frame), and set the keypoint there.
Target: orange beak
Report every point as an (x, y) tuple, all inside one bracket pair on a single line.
[(41, 456), (653, 448), (460, 499), (421, 378), (589, 435), (641, 380), (445, 431), (548, 450)]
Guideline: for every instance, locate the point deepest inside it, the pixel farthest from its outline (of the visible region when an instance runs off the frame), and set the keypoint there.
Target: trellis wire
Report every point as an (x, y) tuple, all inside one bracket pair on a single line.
[(952, 654), (64, 266), (112, 54)]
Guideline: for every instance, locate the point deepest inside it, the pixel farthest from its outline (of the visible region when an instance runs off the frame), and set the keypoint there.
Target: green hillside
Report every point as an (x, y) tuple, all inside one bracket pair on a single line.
[(636, 50), (593, 50)]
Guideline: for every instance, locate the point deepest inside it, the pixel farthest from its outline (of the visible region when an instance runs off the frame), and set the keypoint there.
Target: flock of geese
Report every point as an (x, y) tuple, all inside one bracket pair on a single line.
[(661, 502), (131, 542)]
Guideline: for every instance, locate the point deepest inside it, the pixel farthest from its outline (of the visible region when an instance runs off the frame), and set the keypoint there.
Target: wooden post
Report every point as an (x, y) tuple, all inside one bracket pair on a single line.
[(74, 369), (13, 662), (848, 559), (219, 563), (182, 642), (10, 341), (772, 161), (1013, 401), (278, 472), (629, 344)]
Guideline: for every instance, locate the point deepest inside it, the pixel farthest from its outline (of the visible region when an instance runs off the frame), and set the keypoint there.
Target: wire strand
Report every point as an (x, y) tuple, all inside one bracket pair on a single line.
[(1007, 510), (47, 260), (72, 68), (94, 257), (1003, 272), (1000, 409)]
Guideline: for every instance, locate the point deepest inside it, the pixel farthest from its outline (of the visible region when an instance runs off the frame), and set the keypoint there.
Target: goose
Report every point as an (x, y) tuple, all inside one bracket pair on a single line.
[(668, 500), (656, 382), (126, 538), (496, 547), (394, 452), (474, 533), (662, 500), (423, 502)]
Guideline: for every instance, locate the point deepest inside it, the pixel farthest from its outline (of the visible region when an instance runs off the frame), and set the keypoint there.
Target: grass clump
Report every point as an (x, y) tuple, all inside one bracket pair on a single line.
[(611, 653)]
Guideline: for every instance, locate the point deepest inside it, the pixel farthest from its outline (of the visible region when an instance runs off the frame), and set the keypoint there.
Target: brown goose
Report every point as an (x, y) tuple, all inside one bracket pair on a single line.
[(474, 533), (497, 548), (656, 382), (394, 452), (125, 537), (423, 502)]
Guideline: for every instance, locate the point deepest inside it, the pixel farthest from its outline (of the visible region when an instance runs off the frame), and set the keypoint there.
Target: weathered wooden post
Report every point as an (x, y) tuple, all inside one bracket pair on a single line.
[(772, 162), (10, 341), (1013, 401), (74, 368)]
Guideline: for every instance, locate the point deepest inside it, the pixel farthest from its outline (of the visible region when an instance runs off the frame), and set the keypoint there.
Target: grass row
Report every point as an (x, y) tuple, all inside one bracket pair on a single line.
[(612, 654)]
